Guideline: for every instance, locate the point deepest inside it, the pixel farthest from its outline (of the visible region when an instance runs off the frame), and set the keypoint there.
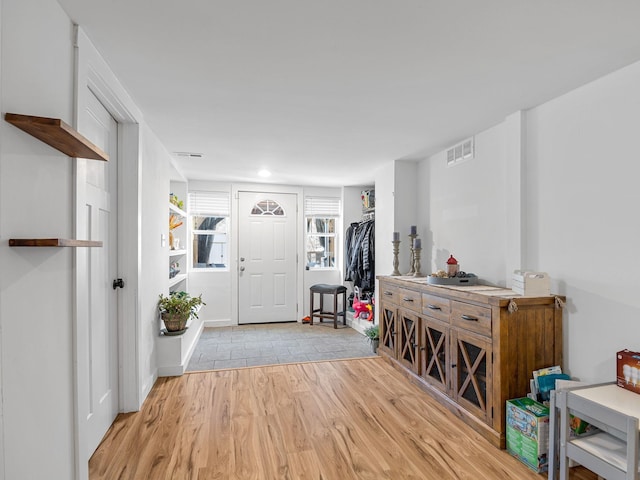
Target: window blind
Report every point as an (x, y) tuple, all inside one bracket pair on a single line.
[(209, 203), (321, 207)]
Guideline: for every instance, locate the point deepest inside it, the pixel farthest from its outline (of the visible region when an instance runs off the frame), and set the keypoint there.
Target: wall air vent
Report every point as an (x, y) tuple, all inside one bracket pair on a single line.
[(460, 152)]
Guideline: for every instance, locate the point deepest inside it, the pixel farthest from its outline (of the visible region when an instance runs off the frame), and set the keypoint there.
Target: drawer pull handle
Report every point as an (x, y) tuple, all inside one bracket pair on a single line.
[(407, 299), (433, 307), (469, 318), (388, 294)]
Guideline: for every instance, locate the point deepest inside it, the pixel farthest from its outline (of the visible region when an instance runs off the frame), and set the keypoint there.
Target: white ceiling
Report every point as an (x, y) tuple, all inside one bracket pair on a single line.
[(323, 92)]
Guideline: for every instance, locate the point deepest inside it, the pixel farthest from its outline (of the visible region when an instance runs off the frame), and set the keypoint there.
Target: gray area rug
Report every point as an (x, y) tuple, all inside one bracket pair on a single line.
[(269, 344)]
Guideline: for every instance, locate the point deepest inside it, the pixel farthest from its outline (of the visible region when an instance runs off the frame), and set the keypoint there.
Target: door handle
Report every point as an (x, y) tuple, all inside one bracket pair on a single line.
[(118, 282), (242, 269)]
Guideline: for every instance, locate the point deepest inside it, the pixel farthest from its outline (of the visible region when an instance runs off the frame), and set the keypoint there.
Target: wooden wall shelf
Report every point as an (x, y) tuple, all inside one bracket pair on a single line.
[(52, 242), (57, 134)]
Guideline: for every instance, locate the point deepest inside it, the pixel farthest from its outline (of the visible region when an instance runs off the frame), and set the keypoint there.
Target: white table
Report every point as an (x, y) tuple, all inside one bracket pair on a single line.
[(613, 397), (601, 405)]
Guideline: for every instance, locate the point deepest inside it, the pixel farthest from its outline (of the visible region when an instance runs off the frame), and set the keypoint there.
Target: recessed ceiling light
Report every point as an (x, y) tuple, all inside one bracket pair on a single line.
[(264, 173)]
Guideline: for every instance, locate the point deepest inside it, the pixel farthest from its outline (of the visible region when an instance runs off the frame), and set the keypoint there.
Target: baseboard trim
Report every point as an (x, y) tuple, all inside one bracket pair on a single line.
[(358, 324), (147, 386), (225, 322)]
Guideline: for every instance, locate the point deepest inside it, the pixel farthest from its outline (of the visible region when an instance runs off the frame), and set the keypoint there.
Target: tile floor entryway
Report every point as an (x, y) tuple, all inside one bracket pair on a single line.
[(268, 344)]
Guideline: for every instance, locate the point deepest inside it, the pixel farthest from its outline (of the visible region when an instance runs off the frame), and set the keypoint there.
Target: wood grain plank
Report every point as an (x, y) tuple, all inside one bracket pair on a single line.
[(350, 419), (57, 134), (304, 465), (53, 242)]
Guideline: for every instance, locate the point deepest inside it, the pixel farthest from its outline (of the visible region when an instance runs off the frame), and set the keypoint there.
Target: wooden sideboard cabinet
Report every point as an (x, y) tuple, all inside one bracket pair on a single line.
[(473, 347)]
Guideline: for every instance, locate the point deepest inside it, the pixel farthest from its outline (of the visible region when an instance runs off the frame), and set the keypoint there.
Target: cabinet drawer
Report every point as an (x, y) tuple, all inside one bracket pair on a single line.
[(389, 294), (471, 317), (436, 307), (410, 299)]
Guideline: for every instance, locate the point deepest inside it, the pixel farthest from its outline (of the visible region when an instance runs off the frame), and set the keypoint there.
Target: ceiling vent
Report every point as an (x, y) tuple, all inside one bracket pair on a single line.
[(460, 152), (188, 155)]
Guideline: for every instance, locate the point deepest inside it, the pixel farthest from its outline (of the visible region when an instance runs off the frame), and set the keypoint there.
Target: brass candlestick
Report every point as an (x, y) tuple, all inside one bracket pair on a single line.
[(416, 261), (412, 237), (396, 263)]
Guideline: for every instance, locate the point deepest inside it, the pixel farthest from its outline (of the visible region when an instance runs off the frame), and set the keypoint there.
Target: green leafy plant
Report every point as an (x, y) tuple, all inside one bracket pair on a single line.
[(180, 304), (174, 199), (372, 332)]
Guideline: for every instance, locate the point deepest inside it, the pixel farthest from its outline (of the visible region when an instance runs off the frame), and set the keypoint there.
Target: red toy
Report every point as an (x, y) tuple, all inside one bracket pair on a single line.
[(362, 307)]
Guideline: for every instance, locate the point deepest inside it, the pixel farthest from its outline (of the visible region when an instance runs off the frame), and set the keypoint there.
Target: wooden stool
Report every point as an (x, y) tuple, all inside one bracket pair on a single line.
[(320, 313)]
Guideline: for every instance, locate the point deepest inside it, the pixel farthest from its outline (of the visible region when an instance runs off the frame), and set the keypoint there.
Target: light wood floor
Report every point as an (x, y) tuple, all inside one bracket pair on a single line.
[(339, 420)]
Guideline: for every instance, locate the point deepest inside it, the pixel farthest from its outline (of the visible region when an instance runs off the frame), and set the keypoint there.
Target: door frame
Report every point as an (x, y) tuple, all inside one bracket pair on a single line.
[(92, 73), (235, 228)]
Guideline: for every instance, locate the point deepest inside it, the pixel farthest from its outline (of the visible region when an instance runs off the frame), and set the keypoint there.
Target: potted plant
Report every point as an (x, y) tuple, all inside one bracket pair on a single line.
[(176, 309), (373, 333)]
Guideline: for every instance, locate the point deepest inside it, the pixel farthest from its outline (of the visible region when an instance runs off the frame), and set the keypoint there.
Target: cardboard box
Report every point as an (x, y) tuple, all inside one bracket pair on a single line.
[(533, 284), (628, 370), (528, 433)]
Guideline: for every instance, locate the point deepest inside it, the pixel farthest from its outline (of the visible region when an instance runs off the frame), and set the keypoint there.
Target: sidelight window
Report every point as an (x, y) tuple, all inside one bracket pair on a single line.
[(209, 218), (321, 215)]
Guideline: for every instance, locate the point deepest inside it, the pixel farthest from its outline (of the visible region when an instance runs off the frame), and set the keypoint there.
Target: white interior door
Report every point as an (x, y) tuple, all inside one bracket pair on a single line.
[(97, 308), (267, 257)]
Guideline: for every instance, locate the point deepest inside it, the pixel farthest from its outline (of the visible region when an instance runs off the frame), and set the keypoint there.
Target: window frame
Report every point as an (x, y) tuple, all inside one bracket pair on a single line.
[(322, 208), (209, 204)]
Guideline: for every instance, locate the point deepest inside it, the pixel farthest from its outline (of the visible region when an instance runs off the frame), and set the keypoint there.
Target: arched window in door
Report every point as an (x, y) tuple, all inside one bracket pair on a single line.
[(267, 207)]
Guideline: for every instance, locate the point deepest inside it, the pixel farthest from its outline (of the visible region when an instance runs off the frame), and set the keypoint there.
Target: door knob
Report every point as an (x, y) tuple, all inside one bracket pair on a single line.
[(242, 269), (118, 282)]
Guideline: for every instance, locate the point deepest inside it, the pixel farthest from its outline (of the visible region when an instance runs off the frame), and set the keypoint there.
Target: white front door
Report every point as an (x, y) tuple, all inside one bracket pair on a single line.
[(267, 257), (96, 327)]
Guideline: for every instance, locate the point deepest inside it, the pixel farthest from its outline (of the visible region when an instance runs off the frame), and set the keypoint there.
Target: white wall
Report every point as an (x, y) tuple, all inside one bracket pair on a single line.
[(36, 195), (582, 225), (398, 200), (385, 224), (406, 207), (154, 263), (554, 189), (215, 286), (385, 217), (315, 276), (352, 204), (36, 200), (2, 469), (467, 209), (515, 154)]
